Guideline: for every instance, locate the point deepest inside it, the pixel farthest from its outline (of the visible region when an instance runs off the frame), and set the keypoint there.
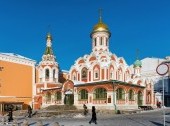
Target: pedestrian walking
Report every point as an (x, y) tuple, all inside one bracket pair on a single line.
[(85, 109), (29, 111), (94, 118), (10, 113)]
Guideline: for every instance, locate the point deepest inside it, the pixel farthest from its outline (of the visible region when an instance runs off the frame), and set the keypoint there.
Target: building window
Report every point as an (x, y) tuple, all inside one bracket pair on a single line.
[(95, 41), (74, 77), (106, 41), (84, 73), (57, 96), (47, 74), (48, 97), (83, 94), (96, 75), (120, 94), (111, 74), (100, 93), (119, 75), (140, 98), (131, 95)]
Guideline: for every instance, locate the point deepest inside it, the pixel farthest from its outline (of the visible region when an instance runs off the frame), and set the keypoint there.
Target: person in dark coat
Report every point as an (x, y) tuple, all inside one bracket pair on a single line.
[(85, 109), (10, 113), (29, 111), (94, 118)]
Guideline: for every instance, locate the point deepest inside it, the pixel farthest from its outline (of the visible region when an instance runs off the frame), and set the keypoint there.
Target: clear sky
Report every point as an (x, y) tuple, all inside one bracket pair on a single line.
[(134, 24)]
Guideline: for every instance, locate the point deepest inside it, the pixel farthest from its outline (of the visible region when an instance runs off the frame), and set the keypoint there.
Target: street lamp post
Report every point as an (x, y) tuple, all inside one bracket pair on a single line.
[(162, 69)]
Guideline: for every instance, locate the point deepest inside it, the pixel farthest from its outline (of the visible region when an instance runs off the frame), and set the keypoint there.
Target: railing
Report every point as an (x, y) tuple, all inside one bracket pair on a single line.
[(82, 101), (57, 102), (132, 101), (120, 101)]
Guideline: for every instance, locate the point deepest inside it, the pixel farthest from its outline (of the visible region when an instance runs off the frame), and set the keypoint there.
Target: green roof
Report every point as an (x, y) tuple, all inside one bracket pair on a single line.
[(137, 63)]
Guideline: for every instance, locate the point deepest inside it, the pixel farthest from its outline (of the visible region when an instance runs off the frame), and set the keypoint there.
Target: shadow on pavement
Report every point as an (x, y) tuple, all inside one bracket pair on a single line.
[(167, 121), (156, 123)]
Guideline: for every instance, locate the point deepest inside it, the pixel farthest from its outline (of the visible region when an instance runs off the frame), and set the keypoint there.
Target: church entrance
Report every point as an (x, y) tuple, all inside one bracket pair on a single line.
[(69, 98)]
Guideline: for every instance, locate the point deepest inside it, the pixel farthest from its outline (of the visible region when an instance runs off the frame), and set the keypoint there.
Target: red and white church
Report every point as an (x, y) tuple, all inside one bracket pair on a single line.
[(98, 79)]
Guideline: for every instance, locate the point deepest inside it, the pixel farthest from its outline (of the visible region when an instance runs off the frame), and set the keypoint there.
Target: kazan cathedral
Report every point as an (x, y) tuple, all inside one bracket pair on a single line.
[(98, 79)]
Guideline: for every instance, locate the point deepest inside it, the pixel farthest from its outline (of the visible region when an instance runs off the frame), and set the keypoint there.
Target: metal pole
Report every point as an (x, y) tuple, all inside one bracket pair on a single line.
[(163, 100)]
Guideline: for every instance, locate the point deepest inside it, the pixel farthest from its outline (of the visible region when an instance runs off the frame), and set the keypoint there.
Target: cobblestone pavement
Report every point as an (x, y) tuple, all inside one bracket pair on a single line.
[(148, 118)]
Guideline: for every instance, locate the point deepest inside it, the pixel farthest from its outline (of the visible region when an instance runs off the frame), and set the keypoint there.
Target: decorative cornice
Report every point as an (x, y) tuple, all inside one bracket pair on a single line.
[(14, 58)]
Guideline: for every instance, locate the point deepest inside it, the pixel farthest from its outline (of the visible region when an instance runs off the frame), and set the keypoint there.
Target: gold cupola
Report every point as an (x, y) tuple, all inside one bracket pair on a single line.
[(49, 37), (100, 27)]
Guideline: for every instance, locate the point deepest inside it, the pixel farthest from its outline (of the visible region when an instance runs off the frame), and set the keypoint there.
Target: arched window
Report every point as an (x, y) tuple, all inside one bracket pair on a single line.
[(131, 95), (84, 73), (83, 94), (126, 76), (96, 75), (106, 41), (100, 93), (74, 76), (111, 74), (47, 72), (57, 96), (95, 41), (140, 98), (48, 96), (120, 94)]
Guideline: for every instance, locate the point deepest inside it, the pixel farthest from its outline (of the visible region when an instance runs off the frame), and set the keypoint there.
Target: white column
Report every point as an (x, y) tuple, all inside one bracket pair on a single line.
[(43, 75), (75, 97), (62, 97), (51, 75)]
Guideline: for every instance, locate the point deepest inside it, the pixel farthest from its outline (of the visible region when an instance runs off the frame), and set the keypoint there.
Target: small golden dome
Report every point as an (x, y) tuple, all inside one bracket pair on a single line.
[(49, 37), (100, 27)]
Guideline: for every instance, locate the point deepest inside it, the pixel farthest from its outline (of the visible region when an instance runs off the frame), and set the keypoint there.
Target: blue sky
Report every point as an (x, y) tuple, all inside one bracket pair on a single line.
[(134, 24)]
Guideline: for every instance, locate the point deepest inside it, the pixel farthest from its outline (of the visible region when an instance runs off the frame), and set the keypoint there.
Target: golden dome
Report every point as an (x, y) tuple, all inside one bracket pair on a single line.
[(100, 27)]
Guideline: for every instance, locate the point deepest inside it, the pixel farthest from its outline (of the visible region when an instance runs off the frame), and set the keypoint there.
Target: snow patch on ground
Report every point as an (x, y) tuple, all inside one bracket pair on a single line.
[(78, 116)]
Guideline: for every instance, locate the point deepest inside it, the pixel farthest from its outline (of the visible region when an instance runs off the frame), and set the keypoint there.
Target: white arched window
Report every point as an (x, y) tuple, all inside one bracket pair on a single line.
[(74, 76), (120, 75), (111, 73), (127, 75), (96, 73), (47, 73)]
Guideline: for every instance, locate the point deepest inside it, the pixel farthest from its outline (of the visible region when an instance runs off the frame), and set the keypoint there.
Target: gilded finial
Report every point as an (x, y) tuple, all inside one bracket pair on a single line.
[(48, 34), (49, 37), (100, 15)]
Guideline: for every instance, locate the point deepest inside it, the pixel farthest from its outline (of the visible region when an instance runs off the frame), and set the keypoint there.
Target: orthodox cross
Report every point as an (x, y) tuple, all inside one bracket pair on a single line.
[(137, 54), (100, 15)]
